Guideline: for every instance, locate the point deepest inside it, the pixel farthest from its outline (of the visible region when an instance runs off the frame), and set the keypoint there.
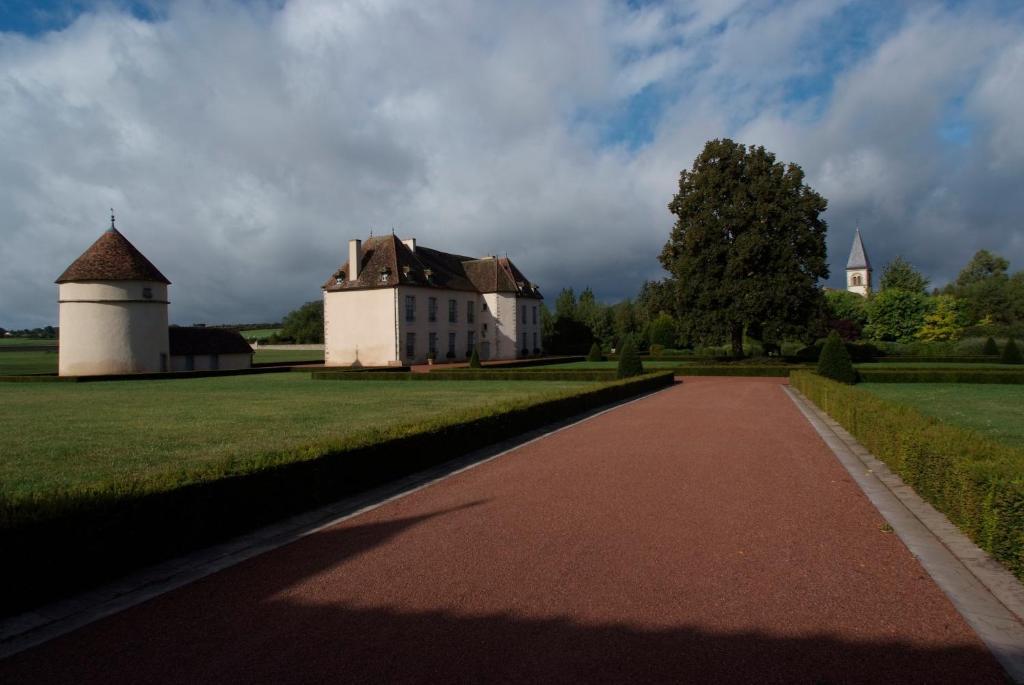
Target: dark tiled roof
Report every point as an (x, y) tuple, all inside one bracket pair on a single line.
[(199, 340), (427, 267), (112, 258)]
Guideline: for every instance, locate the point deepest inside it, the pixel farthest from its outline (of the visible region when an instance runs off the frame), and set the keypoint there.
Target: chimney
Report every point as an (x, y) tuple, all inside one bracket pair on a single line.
[(410, 243), (355, 259)]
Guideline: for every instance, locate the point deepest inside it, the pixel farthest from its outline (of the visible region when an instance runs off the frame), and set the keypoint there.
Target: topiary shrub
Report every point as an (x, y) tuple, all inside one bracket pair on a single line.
[(474, 359), (1011, 355), (835, 362), (629, 359), (990, 347), (595, 354)]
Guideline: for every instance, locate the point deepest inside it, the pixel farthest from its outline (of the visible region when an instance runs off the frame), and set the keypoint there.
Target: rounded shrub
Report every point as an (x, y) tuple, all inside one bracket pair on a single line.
[(595, 354), (474, 359), (990, 347), (629, 359), (835, 362), (1011, 355)]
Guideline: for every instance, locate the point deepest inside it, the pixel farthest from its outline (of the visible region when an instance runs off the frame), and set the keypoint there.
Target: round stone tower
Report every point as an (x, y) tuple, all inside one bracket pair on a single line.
[(113, 311)]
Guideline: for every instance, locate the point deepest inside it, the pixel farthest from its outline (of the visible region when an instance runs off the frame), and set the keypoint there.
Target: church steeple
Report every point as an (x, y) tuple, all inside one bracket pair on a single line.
[(858, 268)]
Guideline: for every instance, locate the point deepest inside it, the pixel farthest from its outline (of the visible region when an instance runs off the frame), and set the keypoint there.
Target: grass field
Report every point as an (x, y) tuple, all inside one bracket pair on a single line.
[(59, 435), (22, 363), (259, 333), (648, 364), (266, 356), (21, 342), (936, 365), (996, 411)]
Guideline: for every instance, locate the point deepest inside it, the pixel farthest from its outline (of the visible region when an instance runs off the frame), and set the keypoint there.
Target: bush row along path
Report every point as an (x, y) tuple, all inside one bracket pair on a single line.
[(702, 534)]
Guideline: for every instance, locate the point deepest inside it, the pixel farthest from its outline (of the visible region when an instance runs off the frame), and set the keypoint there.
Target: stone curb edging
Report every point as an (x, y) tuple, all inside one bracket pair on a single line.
[(989, 597), (32, 628)]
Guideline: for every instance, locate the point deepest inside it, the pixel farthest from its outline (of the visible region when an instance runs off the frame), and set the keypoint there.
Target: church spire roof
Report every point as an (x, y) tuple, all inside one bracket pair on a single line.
[(858, 257)]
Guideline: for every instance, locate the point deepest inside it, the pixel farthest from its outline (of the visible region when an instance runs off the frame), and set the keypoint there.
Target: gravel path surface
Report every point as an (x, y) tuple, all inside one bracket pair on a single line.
[(704, 534)]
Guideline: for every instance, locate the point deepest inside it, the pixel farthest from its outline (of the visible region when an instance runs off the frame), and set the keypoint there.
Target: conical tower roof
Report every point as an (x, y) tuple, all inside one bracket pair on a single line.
[(858, 257), (112, 258)]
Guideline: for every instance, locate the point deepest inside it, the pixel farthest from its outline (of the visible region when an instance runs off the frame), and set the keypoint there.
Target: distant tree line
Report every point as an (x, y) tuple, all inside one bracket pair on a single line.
[(44, 333)]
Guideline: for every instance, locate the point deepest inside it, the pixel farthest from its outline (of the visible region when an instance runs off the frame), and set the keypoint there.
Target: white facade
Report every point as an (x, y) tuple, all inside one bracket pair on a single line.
[(859, 281), (112, 327), (394, 326)]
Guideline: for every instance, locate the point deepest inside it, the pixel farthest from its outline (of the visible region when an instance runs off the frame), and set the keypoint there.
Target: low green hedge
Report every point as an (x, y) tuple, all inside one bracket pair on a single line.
[(60, 542), (476, 375), (962, 359), (947, 375), (977, 482), (774, 371)]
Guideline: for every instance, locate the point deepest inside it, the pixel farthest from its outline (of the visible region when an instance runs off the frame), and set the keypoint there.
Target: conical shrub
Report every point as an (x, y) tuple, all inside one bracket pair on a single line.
[(835, 362), (595, 354), (629, 359), (990, 347), (1011, 355), (474, 359)]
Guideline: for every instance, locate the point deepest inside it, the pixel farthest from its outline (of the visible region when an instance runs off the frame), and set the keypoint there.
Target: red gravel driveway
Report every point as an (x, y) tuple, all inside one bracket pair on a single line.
[(701, 535)]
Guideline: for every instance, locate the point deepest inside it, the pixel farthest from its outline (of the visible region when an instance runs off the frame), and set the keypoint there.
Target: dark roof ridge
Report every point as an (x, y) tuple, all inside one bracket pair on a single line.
[(112, 258)]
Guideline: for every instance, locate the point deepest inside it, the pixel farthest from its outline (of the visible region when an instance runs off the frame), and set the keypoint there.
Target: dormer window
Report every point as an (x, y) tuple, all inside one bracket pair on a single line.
[(405, 270), (339, 278), (385, 274), (428, 273)]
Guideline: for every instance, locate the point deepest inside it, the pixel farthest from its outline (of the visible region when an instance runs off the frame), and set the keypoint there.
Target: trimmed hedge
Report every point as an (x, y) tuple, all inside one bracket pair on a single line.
[(477, 375), (977, 482), (948, 375), (737, 370), (834, 361), (962, 359), (155, 376), (62, 542)]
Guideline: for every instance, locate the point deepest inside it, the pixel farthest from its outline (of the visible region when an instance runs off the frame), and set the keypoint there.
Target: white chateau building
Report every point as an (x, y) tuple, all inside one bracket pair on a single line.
[(858, 268), (113, 319), (395, 302)]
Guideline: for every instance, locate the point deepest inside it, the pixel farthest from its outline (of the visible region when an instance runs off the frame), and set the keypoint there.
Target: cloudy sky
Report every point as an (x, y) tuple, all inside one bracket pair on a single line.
[(243, 143)]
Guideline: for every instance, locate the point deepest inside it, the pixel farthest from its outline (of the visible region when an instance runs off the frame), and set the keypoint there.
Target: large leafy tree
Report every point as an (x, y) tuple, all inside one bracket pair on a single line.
[(986, 289), (748, 246), (305, 324), (901, 274), (896, 315)]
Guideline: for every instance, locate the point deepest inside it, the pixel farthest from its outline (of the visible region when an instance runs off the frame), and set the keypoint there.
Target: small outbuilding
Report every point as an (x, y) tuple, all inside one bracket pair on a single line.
[(208, 349)]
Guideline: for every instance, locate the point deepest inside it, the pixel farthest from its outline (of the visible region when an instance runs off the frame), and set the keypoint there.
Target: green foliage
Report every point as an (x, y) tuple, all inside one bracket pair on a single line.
[(944, 321), (842, 305), (569, 336), (629, 360), (656, 351), (305, 325), (977, 482), (748, 246), (989, 293), (835, 362), (901, 275), (1011, 355), (656, 297), (474, 359), (895, 315), (595, 354), (565, 304), (990, 347), (662, 331)]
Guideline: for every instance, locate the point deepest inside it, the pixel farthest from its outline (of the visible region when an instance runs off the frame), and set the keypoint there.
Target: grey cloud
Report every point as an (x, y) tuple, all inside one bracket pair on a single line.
[(243, 145)]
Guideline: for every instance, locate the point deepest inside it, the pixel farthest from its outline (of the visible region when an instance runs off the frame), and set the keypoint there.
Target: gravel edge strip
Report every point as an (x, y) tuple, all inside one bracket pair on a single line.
[(989, 597)]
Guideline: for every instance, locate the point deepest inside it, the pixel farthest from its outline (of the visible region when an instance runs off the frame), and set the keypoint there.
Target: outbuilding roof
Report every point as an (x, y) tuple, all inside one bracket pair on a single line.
[(201, 340), (427, 267), (112, 258)]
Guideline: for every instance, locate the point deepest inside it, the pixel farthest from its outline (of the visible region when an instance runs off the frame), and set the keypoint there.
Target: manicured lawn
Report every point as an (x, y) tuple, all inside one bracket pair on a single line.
[(18, 342), (73, 434), (994, 410), (21, 363), (658, 364), (262, 356)]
